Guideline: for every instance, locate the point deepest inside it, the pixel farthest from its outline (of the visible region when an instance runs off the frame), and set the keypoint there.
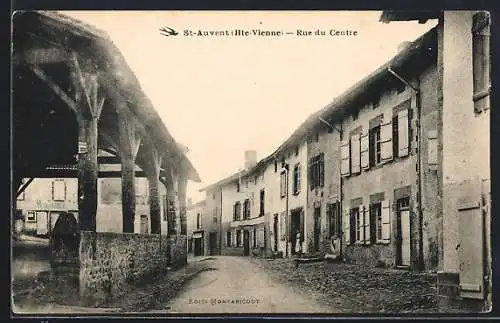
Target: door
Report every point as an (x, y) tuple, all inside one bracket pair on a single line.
[(42, 223), (317, 228), (404, 231), (246, 243), (144, 224), (275, 228), (213, 243), (197, 247)]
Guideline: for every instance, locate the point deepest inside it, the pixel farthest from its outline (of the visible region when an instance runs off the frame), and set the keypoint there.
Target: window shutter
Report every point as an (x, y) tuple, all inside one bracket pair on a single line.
[(347, 226), (365, 155), (344, 158), (366, 215), (361, 216), (386, 141), (355, 154), (403, 133), (299, 172), (386, 221)]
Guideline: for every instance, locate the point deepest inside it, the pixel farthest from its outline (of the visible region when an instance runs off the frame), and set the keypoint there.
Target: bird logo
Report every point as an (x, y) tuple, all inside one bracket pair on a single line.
[(167, 31)]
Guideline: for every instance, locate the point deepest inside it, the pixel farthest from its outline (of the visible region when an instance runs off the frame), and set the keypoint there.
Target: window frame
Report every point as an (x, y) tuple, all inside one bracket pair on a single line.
[(283, 183), (375, 146), (246, 209), (58, 180), (296, 179), (262, 201), (33, 219)]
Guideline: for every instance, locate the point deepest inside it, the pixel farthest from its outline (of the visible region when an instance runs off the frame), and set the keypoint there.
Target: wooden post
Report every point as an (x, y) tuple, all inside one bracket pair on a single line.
[(129, 146), (182, 204), (87, 174), (172, 207), (89, 105), (154, 192)]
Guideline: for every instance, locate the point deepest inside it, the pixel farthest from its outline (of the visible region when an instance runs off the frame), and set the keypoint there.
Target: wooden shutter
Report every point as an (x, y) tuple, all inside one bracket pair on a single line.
[(344, 158), (365, 151), (403, 133), (347, 226), (481, 61), (355, 154), (366, 215), (386, 221), (299, 174), (386, 141), (361, 217)]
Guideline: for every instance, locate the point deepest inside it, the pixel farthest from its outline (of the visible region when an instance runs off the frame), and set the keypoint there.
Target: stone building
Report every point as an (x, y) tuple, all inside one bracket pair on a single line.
[(382, 162), (463, 154)]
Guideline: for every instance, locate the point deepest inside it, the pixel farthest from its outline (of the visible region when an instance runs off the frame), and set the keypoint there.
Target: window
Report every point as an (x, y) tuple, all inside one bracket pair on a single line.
[(262, 200), (246, 209), (375, 146), (376, 218), (395, 135), (481, 61), (58, 190), (283, 179), (31, 217), (297, 150), (333, 219), (356, 225), (228, 238), (296, 179), (198, 221), (316, 171), (275, 166), (238, 238), (238, 186), (216, 211), (237, 211), (255, 180)]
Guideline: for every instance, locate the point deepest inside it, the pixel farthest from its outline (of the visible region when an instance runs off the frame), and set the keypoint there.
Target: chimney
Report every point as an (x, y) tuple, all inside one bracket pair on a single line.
[(250, 158), (404, 45)]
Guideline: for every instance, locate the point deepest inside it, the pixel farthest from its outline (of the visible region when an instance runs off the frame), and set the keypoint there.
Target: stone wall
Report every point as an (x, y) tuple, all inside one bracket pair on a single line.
[(111, 263), (178, 251)]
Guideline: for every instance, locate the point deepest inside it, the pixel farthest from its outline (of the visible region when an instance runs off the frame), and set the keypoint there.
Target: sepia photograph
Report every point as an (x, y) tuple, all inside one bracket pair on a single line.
[(250, 162)]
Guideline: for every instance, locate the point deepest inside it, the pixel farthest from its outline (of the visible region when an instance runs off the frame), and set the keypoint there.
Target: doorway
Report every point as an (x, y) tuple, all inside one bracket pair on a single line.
[(198, 247), (144, 224), (213, 243), (403, 230), (246, 243), (296, 226), (275, 229), (317, 228)]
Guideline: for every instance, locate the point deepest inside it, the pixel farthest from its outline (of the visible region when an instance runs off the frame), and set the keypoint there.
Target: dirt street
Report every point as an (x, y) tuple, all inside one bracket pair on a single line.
[(238, 285)]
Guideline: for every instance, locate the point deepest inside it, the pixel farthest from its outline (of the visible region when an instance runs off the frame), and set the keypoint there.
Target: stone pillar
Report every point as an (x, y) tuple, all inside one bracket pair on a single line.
[(129, 145)]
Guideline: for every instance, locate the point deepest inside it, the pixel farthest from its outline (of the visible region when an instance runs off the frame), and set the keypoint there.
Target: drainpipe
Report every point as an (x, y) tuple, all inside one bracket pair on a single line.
[(417, 94)]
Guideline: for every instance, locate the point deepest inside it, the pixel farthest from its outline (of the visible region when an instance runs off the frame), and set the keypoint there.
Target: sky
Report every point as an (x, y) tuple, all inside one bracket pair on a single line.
[(222, 95)]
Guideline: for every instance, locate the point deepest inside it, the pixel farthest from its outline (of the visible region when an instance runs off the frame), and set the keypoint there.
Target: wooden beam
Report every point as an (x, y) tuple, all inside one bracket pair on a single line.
[(55, 88), (41, 56)]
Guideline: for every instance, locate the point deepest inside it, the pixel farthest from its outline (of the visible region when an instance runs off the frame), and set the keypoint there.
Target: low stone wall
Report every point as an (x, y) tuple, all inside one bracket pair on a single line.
[(178, 251), (111, 263)]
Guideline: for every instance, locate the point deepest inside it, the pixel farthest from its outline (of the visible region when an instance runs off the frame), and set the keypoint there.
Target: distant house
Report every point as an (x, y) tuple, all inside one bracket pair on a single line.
[(39, 205), (197, 238)]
